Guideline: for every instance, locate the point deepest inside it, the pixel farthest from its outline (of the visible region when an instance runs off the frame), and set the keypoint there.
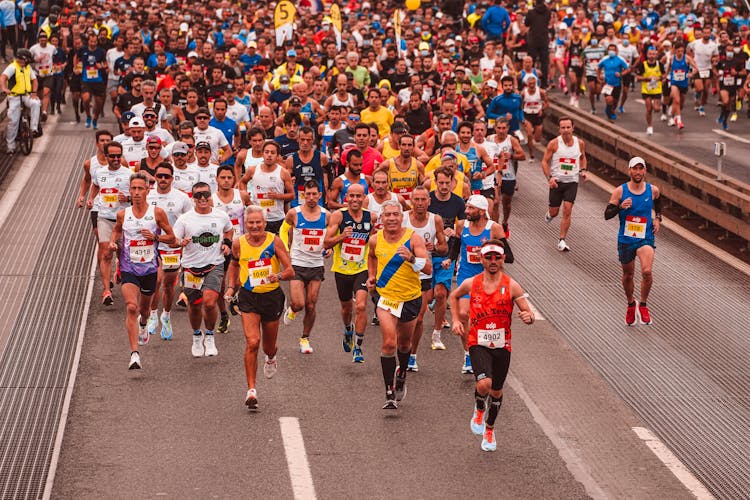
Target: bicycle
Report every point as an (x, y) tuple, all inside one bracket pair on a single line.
[(25, 135)]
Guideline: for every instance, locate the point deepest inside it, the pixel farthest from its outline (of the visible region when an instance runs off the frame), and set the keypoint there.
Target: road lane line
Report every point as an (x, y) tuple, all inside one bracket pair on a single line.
[(732, 136), (673, 464), (296, 459), (575, 464), (537, 315), (71, 383)]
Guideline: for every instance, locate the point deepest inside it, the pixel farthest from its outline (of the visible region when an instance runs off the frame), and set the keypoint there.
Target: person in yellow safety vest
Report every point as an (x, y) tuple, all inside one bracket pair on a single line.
[(19, 81), (290, 68)]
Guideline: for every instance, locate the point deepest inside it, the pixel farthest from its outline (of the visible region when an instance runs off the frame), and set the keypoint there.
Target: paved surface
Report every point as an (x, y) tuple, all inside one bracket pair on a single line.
[(696, 140), (580, 381)]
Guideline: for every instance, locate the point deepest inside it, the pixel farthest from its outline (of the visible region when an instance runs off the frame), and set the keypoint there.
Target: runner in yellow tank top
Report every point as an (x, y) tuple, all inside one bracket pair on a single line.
[(395, 259), (404, 171)]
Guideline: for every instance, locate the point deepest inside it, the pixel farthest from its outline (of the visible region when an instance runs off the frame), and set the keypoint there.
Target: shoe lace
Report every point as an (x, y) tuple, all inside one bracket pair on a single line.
[(489, 434), (479, 417)]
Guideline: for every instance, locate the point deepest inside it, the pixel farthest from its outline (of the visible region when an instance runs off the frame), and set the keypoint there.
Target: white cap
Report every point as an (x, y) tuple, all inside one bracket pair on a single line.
[(636, 160), (492, 84), (136, 121), (478, 201), (192, 53), (492, 248)]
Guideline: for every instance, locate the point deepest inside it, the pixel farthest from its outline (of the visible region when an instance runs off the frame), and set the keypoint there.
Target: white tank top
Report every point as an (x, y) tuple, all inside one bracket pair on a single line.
[(349, 102), (264, 182), (532, 103), (427, 233), (94, 165), (375, 208), (307, 240), (566, 161), (251, 161), (137, 250), (505, 170), (235, 209)]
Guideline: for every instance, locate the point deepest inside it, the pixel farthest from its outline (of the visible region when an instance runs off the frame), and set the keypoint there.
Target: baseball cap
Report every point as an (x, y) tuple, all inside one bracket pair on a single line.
[(180, 147), (153, 139), (284, 79), (492, 248), (492, 84), (202, 145), (127, 116), (136, 121), (478, 201), (228, 87), (252, 43), (295, 100), (636, 160), (291, 53), (460, 68), (192, 53)]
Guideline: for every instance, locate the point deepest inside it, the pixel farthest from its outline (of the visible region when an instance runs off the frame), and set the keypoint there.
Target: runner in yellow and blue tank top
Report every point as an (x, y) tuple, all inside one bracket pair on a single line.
[(258, 258), (396, 257), (404, 171)]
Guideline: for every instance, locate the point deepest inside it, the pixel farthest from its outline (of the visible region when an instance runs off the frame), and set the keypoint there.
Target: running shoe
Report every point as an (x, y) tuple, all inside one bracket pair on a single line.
[(357, 356), (612, 117), (182, 300), (477, 422), (621, 110), (547, 217), (107, 298), (375, 321), (223, 326), (488, 442), (251, 399), (670, 123), (644, 315), (649, 130), (88, 122), (210, 346), (466, 368), (289, 316), (437, 343), (724, 125), (135, 361), (506, 230), (348, 342), (399, 388), (701, 111), (390, 401), (142, 333), (431, 306), (152, 323), (663, 117), (94, 125), (679, 123), (630, 315), (304, 345), (562, 246), (197, 348), (412, 366), (445, 324), (270, 367), (166, 326)]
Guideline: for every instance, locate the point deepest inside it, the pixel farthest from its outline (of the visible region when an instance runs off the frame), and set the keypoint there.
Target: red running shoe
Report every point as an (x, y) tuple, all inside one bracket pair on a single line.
[(630, 314), (645, 316)]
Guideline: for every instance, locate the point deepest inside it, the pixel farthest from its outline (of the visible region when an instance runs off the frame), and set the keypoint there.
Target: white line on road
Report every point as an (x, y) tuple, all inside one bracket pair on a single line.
[(296, 459), (673, 464), (575, 464), (22, 176), (71, 383), (537, 315), (731, 136)]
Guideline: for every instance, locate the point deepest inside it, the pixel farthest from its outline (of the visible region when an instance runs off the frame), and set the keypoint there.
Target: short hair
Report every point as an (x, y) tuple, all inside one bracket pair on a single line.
[(167, 165), (255, 131), (223, 168), (200, 184), (360, 126), (148, 83), (253, 209), (139, 175), (353, 153), (311, 184), (466, 124), (506, 78), (564, 118), (446, 171), (391, 203), (271, 142), (113, 144), (448, 133), (290, 118), (307, 129), (100, 133), (221, 99), (420, 187)]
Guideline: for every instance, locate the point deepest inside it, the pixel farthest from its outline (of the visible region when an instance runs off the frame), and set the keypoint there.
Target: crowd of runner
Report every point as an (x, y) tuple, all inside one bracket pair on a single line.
[(386, 149)]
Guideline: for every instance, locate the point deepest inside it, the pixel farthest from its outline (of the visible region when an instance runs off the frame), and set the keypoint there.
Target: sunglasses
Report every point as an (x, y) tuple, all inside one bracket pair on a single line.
[(201, 194), (179, 155), (163, 176), (113, 156), (201, 117), (492, 256), (149, 116), (153, 147), (354, 118)]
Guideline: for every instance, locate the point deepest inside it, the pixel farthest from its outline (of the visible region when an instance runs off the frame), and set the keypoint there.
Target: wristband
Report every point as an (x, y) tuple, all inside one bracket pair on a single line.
[(419, 263), (278, 275)]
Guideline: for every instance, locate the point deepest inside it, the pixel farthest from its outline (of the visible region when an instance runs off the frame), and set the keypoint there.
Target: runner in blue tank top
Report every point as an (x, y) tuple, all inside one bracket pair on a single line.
[(307, 164), (634, 202)]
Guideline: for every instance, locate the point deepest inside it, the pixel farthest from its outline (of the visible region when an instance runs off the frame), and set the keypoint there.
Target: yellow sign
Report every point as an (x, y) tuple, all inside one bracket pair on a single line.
[(284, 13), (336, 17)]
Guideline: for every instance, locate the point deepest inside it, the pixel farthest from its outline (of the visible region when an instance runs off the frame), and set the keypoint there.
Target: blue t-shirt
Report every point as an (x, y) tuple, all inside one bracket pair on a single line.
[(227, 127), (611, 65)]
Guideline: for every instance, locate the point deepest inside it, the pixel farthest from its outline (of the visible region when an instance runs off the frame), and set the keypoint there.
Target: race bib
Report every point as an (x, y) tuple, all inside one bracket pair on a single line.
[(192, 281), (532, 107), (635, 227), (110, 197), (728, 80), (44, 70), (567, 164), (394, 307), (170, 259), (264, 202), (312, 240), (607, 89), (652, 85), (301, 195), (258, 271), (678, 75), (92, 73), (353, 249), (706, 73), (472, 255), (492, 338), (575, 61), (405, 192), (237, 227), (141, 251)]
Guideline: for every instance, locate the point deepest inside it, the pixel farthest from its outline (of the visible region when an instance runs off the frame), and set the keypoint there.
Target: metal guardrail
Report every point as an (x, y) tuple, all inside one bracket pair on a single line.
[(681, 180)]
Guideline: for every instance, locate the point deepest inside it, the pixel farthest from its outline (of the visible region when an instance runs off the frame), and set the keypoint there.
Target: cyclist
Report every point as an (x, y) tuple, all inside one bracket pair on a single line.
[(20, 83)]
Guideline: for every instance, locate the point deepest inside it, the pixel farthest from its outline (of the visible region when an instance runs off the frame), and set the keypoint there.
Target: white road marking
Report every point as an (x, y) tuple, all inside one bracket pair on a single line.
[(731, 136), (537, 315), (575, 464), (71, 383), (640, 101), (22, 176), (673, 464), (296, 459)]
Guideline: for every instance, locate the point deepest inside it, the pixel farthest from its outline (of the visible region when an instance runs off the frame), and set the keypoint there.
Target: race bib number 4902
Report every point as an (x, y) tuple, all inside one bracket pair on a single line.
[(394, 307)]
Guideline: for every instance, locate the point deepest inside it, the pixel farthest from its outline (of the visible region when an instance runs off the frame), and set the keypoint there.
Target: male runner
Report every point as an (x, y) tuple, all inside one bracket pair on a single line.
[(270, 186)]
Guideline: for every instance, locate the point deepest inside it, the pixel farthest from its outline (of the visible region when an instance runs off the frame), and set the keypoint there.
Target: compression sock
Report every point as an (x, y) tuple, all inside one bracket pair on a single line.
[(349, 328), (494, 409), (358, 339), (388, 364), (403, 362), (479, 400)]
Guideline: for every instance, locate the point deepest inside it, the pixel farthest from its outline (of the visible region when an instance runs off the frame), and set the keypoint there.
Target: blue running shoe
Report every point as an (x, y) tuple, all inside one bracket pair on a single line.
[(357, 356), (88, 122), (94, 125), (348, 341), (412, 366), (621, 110), (612, 117), (467, 365)]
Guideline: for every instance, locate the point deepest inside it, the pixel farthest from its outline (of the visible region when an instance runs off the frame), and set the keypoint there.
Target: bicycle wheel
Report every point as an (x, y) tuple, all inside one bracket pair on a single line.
[(25, 137)]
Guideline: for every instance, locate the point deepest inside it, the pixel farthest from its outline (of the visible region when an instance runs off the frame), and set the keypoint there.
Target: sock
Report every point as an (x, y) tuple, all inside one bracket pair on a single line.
[(165, 314), (349, 328), (436, 332), (142, 325), (479, 400), (631, 304), (154, 313), (197, 333), (388, 364), (643, 304), (403, 362), (494, 409), (209, 332), (359, 338)]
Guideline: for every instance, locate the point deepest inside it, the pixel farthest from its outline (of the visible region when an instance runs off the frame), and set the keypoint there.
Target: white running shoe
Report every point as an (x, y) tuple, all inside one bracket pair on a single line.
[(142, 333), (270, 367), (547, 217), (152, 323), (289, 316), (562, 246), (251, 399), (649, 130), (197, 348), (437, 343), (135, 361), (670, 122), (663, 117), (304, 345), (210, 346)]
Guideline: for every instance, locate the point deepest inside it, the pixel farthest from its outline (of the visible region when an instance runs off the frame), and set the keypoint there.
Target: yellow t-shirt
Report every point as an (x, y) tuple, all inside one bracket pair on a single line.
[(396, 280), (383, 118), (257, 264)]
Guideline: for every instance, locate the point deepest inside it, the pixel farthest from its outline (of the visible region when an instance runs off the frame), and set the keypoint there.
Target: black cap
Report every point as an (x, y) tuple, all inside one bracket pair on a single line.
[(126, 116), (203, 145)]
